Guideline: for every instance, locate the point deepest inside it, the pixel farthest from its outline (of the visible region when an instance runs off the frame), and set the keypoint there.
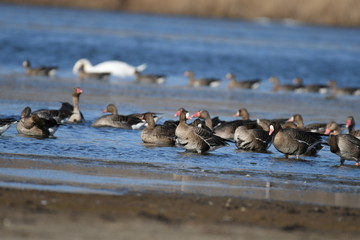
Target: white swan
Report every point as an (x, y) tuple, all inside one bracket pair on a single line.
[(115, 68)]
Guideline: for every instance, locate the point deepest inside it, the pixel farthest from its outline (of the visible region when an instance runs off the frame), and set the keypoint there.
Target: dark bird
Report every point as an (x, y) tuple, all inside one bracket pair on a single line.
[(346, 146), (5, 124), (35, 125), (193, 82), (246, 84), (196, 139), (39, 71), (132, 121), (162, 135), (149, 78), (291, 141)]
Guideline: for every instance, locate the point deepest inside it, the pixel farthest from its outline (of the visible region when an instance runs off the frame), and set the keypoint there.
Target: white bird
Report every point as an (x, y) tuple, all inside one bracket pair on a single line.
[(115, 68)]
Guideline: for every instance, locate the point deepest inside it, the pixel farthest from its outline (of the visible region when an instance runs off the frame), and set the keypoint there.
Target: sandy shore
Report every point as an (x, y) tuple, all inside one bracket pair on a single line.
[(326, 12), (33, 214)]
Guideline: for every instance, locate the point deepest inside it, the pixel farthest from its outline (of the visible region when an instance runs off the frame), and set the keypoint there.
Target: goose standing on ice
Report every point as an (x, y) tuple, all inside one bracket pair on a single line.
[(115, 68)]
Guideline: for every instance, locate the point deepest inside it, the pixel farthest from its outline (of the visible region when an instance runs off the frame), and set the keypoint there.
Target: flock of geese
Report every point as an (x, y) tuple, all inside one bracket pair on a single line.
[(289, 136), (85, 70)]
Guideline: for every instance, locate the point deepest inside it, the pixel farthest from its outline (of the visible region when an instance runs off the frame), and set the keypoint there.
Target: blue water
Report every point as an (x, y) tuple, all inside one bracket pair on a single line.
[(168, 45)]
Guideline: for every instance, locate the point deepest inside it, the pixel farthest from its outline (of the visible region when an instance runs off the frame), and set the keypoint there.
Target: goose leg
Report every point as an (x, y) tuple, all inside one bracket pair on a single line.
[(342, 161)]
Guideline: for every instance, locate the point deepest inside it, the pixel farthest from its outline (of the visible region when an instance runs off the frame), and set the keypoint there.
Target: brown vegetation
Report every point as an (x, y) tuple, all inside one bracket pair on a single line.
[(327, 12)]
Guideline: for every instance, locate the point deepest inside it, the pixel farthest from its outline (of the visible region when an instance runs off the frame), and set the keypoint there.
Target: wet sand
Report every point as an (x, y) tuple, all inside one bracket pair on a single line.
[(32, 214)]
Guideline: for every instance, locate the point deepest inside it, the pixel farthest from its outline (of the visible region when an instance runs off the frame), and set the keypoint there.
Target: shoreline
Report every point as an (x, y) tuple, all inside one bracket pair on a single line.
[(322, 12), (33, 213)]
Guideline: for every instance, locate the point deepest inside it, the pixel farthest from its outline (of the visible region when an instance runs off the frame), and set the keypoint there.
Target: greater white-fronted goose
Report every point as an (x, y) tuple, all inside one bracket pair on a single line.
[(92, 75), (132, 121), (5, 124), (346, 146), (246, 84), (222, 129), (149, 78), (350, 125), (255, 140), (34, 125), (291, 141), (76, 116), (344, 90), (194, 138), (282, 87), (332, 128), (243, 114), (115, 68), (212, 82), (161, 135), (204, 114), (39, 71), (313, 127), (313, 88), (265, 123), (61, 115)]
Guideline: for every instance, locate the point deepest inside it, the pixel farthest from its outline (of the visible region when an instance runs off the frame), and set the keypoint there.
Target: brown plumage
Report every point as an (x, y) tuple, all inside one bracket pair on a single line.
[(93, 75), (149, 78), (34, 125), (194, 138), (162, 135), (39, 71), (291, 141), (132, 121), (212, 82), (346, 146), (282, 87), (76, 116), (313, 127), (343, 90), (245, 84), (255, 140), (314, 88), (350, 125)]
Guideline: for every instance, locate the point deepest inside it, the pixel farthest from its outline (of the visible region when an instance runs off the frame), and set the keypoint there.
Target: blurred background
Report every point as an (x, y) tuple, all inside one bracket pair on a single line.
[(329, 12)]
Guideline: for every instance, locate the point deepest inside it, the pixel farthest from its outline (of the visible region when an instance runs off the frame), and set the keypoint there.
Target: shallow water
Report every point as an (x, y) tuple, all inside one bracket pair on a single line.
[(85, 159)]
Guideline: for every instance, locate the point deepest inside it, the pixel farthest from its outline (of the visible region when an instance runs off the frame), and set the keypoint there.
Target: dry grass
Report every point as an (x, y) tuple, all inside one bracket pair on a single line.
[(327, 12)]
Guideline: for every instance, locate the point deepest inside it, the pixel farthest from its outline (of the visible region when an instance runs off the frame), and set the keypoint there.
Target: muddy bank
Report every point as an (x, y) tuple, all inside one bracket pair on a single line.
[(327, 12), (35, 214)]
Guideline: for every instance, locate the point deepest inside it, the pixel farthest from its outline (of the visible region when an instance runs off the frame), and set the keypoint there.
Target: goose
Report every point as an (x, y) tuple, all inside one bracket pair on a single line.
[(132, 121), (94, 75), (195, 139), (5, 124), (350, 125), (209, 122), (313, 88), (39, 71), (212, 82), (34, 125), (255, 140), (162, 135), (343, 91), (247, 84), (332, 128), (291, 141), (149, 78), (222, 129), (115, 68), (261, 123), (61, 115), (346, 146), (282, 87), (313, 127), (76, 116)]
